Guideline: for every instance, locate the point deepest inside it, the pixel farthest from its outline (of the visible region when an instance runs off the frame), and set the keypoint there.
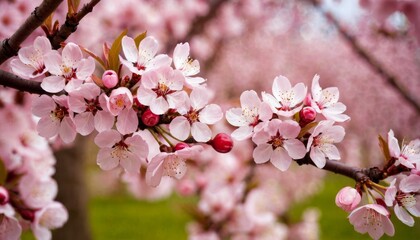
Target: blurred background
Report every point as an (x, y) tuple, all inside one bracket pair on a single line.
[(368, 49)]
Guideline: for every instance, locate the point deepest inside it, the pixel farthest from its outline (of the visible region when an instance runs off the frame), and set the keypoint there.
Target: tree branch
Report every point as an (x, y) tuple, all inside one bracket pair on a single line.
[(374, 63), (10, 80), (10, 46), (70, 26)]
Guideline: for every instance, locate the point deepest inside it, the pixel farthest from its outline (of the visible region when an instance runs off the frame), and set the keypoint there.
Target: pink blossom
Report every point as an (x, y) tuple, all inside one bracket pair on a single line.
[(10, 228), (117, 150), (320, 143), (68, 70), (56, 118), (285, 101), (249, 116), (4, 196), (52, 216), (195, 117), (278, 143), (142, 59), (169, 164), (37, 193), (405, 198), (325, 101), (186, 65), (161, 90), (120, 103), (218, 201), (89, 106), (408, 155), (373, 219), (347, 199), (30, 63)]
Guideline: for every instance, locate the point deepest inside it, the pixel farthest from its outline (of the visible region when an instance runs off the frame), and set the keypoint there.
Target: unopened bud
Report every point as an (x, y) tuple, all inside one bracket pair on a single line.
[(110, 79), (307, 115), (181, 145), (4, 195), (347, 199), (27, 214), (222, 143), (149, 118)]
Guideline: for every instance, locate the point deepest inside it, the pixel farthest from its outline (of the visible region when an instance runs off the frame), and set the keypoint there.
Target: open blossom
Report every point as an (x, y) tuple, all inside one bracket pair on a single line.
[(30, 63), (10, 228), (68, 70), (373, 219), (37, 193), (249, 116), (218, 201), (195, 116), (347, 199), (90, 108), (186, 65), (325, 101), (161, 89), (405, 198), (278, 143), (169, 164), (52, 216), (407, 155), (142, 59), (320, 143), (285, 101), (56, 118), (117, 150), (120, 104)]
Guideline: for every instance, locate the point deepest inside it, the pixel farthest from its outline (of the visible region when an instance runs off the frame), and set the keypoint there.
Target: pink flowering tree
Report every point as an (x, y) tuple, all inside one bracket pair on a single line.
[(155, 118)]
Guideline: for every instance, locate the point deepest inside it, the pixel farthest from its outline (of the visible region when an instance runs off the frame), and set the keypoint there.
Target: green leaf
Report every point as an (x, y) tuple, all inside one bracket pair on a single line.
[(3, 172), (113, 59), (384, 147), (139, 38), (306, 129)]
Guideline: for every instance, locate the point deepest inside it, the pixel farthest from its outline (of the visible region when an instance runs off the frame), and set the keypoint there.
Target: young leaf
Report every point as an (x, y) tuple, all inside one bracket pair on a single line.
[(113, 56), (306, 129), (97, 58), (384, 146), (139, 38)]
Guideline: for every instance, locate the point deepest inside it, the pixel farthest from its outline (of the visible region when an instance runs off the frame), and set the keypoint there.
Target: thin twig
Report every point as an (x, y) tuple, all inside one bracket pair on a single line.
[(10, 80), (10, 46)]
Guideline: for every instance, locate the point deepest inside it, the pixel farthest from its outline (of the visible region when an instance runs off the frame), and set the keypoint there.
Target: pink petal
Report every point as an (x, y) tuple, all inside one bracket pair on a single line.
[(265, 112), (22, 69), (42, 44), (84, 123), (403, 215), (199, 98), (234, 117), (107, 138), (243, 133), (48, 127), (71, 55), (73, 85), (316, 88), (42, 106), (105, 160), (299, 94), (77, 104), (159, 106), (289, 129), (181, 53), (130, 49), (271, 101), (138, 146), (295, 148), (180, 128), (317, 157), (127, 121), (145, 96), (410, 184), (131, 163), (211, 114), (280, 84), (85, 68), (10, 229), (201, 132), (53, 84), (52, 61), (249, 99), (159, 61), (194, 81), (280, 159), (103, 121), (191, 69), (155, 170), (262, 153), (147, 49), (329, 96), (394, 148), (67, 131)]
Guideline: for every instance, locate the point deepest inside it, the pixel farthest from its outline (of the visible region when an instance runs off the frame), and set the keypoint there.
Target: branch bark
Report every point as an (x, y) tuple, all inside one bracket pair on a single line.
[(11, 46)]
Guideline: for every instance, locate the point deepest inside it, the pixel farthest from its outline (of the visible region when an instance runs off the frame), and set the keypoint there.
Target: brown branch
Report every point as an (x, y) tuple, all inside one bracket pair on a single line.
[(10, 46), (71, 23), (10, 80), (374, 63)]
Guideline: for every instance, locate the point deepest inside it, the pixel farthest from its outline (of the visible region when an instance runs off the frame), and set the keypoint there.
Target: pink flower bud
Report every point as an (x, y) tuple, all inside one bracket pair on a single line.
[(307, 115), (181, 145), (308, 100), (347, 199), (149, 118), (4, 195), (110, 79), (222, 143)]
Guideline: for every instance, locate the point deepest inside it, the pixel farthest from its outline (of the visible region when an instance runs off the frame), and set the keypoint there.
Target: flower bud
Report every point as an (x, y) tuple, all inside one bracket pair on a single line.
[(4, 195), (27, 214), (149, 118), (181, 145), (307, 115), (347, 199), (222, 143), (110, 79)]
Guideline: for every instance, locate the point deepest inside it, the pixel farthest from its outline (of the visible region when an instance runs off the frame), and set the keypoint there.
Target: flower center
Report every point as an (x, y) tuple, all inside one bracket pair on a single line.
[(276, 141), (192, 116), (59, 112), (406, 200)]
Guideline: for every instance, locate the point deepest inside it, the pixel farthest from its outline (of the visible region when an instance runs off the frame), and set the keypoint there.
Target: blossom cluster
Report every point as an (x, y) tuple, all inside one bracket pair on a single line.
[(27, 189), (146, 111), (402, 194)]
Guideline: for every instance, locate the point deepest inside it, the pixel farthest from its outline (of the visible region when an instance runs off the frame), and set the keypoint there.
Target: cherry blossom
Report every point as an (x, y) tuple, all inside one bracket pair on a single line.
[(218, 201), (407, 155), (51, 216), (56, 118), (195, 117), (161, 89), (10, 228), (325, 101), (30, 63), (36, 192), (249, 117), (405, 198), (285, 100), (347, 199), (186, 65), (373, 219), (142, 59), (120, 104), (117, 150), (90, 108), (320, 143), (170, 164), (68, 70), (278, 143)]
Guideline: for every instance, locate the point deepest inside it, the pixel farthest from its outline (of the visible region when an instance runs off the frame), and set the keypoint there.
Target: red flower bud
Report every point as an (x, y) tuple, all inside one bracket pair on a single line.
[(181, 145), (150, 119), (307, 115), (222, 143), (110, 79), (27, 214)]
